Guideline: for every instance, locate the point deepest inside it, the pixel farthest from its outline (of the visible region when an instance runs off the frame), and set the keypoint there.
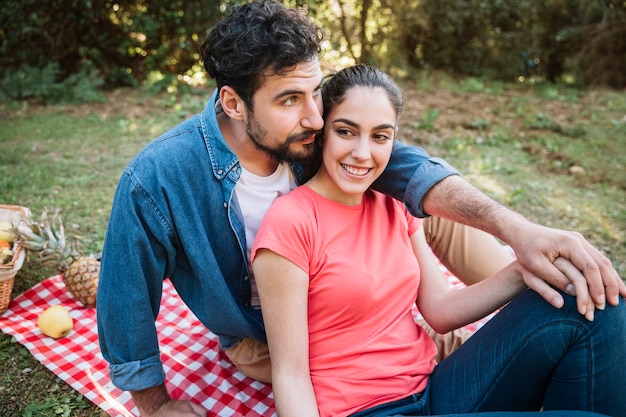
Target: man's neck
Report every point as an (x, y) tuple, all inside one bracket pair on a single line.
[(251, 158)]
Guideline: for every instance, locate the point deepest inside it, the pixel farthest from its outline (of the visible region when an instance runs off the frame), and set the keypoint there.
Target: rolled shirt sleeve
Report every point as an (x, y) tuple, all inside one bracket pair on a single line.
[(410, 174)]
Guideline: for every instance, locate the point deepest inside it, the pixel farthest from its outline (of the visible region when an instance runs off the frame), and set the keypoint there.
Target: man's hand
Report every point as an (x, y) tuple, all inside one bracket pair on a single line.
[(156, 402), (538, 247)]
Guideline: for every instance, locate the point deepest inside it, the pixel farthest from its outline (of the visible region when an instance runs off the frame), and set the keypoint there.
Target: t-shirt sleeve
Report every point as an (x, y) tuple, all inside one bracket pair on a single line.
[(286, 230), (413, 222)]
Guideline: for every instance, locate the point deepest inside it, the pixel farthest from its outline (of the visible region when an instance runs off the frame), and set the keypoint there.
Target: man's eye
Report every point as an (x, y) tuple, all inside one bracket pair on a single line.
[(290, 101)]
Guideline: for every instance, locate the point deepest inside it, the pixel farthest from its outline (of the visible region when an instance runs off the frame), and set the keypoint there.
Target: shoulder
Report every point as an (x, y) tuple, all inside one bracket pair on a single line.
[(297, 204)]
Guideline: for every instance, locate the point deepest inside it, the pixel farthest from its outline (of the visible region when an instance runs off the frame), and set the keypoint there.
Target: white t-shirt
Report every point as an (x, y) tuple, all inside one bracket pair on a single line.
[(255, 195)]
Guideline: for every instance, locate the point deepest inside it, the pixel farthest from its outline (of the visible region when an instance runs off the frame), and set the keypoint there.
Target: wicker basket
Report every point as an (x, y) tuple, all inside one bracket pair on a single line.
[(15, 215)]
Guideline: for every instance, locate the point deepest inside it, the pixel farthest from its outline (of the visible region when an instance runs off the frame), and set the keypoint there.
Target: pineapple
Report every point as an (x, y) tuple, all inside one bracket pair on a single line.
[(47, 241)]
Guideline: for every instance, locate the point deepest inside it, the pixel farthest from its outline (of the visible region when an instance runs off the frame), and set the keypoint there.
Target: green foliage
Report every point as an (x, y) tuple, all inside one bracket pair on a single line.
[(123, 40), (42, 83), (601, 57), (55, 407), (427, 120), (523, 40), (68, 32), (540, 121), (478, 124), (126, 41)]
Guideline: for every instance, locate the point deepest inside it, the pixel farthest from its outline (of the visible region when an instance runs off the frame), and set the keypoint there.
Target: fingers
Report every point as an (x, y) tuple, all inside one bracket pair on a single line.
[(602, 279), (614, 286), (544, 270), (542, 288), (581, 256), (577, 286), (584, 302)]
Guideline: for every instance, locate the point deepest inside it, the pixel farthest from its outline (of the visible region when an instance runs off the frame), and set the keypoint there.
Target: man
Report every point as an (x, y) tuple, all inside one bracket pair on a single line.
[(187, 207)]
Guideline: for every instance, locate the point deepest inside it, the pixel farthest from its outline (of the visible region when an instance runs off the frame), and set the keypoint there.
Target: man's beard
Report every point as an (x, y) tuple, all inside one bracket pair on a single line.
[(283, 151)]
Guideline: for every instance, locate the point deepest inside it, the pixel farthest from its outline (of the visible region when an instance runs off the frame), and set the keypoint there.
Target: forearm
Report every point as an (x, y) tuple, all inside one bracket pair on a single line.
[(469, 304), (456, 199), (126, 325)]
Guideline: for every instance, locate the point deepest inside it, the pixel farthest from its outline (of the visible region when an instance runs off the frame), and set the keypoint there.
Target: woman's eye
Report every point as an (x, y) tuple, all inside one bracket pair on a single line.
[(381, 138), (343, 132)]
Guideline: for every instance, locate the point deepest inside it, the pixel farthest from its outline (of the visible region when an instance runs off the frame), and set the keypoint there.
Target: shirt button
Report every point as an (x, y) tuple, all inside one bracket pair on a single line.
[(246, 305), (219, 171), (246, 278), (225, 205)]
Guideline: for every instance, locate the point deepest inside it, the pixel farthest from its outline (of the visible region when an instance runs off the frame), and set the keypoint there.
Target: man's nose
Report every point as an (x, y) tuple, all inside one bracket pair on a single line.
[(312, 119)]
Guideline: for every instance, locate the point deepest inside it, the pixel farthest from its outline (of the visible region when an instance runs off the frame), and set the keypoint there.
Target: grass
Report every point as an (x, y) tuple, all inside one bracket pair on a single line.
[(552, 153)]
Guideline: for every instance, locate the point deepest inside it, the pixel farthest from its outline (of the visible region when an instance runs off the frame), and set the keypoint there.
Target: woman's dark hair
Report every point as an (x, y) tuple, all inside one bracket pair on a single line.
[(336, 87), (255, 37)]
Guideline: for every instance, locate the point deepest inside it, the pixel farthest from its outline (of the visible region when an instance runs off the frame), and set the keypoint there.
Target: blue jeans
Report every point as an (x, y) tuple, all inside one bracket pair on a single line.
[(530, 355)]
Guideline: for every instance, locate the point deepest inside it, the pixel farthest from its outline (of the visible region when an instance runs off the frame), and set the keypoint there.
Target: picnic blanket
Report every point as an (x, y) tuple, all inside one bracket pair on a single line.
[(195, 367)]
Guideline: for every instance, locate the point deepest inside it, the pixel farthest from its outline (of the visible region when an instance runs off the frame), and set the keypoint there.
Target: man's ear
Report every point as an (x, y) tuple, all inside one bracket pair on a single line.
[(232, 104)]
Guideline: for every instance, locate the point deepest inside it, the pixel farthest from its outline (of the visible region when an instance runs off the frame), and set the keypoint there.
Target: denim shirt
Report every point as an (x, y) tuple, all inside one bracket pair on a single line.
[(175, 215)]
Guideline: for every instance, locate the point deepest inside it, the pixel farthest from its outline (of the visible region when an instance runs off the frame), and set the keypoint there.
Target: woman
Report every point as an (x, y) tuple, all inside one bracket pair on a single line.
[(339, 268)]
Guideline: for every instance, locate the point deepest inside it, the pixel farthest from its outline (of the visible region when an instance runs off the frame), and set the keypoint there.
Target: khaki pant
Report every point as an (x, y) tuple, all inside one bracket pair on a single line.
[(470, 254)]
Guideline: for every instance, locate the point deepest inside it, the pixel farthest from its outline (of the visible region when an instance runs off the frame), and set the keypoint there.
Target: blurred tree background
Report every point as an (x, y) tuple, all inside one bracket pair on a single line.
[(69, 50)]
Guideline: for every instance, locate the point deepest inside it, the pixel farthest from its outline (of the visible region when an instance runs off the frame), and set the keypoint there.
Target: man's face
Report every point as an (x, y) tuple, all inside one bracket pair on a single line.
[(287, 113)]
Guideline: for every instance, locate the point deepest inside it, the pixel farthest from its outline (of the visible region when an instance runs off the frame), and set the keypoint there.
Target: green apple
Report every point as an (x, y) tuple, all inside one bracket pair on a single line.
[(55, 322)]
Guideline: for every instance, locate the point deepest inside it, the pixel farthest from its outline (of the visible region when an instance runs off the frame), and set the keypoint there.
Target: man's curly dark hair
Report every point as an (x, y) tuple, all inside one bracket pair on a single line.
[(255, 37)]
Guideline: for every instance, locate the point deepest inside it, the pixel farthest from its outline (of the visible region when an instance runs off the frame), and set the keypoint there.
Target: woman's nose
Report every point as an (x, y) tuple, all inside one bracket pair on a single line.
[(361, 149)]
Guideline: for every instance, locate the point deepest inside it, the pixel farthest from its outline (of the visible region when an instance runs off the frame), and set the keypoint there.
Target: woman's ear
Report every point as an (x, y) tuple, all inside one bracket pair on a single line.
[(232, 104)]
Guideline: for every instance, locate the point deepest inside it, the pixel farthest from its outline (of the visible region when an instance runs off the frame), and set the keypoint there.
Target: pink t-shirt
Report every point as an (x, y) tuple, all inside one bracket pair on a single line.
[(365, 348)]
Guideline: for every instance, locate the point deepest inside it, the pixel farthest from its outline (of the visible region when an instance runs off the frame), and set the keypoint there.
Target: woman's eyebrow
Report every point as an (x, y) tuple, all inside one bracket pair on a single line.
[(354, 124)]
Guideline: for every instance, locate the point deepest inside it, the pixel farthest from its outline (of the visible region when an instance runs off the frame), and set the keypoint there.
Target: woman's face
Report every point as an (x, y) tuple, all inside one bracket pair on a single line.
[(358, 138)]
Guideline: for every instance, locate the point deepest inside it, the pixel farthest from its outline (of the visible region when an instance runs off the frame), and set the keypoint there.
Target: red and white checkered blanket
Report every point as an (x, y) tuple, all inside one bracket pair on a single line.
[(195, 367)]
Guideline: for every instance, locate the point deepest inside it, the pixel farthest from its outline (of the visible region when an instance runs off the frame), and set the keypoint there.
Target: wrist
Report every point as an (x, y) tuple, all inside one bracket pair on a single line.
[(514, 228)]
